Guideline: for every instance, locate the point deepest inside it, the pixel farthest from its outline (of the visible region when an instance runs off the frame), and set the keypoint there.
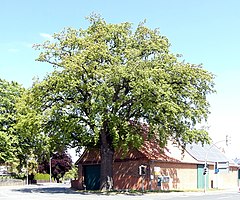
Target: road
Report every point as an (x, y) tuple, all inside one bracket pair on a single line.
[(63, 192)]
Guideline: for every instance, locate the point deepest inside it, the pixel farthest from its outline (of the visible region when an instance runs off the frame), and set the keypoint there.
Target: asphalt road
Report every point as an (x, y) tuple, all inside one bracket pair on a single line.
[(63, 192)]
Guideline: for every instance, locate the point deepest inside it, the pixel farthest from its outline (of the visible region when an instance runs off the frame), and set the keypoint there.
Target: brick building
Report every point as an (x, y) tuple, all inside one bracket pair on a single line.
[(165, 169)]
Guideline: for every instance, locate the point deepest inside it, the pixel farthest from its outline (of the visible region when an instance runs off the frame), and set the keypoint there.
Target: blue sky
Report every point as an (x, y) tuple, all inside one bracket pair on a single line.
[(202, 31)]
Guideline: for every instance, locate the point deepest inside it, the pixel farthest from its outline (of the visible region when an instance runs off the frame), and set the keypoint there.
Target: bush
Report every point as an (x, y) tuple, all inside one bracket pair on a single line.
[(40, 176), (71, 174)]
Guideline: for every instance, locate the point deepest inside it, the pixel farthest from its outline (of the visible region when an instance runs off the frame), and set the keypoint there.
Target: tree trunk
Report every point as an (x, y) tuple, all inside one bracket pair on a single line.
[(107, 153)]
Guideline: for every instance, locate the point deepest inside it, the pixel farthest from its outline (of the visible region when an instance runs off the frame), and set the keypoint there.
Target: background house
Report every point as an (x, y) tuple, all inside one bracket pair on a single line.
[(222, 173), (168, 168)]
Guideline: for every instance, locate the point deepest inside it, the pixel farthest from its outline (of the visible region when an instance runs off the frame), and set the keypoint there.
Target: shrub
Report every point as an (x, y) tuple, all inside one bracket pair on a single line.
[(40, 176)]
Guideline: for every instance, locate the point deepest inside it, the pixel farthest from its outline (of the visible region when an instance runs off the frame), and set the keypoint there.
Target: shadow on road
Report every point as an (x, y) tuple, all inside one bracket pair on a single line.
[(49, 190), (67, 190)]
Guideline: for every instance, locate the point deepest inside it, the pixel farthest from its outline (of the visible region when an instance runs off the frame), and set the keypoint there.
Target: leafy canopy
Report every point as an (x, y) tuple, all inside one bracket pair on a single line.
[(10, 92), (34, 142), (111, 74)]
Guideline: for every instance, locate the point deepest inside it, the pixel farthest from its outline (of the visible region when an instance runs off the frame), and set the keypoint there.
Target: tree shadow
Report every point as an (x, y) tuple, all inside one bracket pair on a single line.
[(47, 190), (58, 190)]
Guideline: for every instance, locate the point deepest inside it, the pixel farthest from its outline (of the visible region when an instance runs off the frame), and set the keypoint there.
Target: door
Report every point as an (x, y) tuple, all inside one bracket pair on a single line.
[(92, 177), (201, 177)]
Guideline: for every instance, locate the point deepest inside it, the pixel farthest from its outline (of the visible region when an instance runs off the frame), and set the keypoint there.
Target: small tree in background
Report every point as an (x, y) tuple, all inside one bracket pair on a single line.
[(71, 174), (60, 164)]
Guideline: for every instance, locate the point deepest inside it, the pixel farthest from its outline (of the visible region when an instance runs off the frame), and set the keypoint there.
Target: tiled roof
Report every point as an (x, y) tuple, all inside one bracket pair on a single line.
[(209, 152), (149, 151), (153, 151), (91, 155)]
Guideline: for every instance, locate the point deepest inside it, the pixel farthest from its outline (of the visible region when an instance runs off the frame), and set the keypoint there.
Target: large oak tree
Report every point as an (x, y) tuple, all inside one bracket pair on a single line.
[(108, 75)]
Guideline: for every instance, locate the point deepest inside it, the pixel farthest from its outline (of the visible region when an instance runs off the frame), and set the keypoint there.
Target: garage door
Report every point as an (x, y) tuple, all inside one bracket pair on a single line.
[(92, 177), (201, 178)]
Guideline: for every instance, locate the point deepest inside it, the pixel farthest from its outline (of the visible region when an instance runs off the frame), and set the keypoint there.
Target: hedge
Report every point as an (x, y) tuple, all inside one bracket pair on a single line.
[(40, 176)]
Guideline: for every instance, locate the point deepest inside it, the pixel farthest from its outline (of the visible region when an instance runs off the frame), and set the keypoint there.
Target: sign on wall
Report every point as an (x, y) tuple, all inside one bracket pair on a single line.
[(221, 167)]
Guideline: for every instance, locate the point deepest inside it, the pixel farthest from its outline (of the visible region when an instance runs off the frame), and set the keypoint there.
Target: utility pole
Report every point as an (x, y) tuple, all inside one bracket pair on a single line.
[(227, 141), (27, 171), (50, 169)]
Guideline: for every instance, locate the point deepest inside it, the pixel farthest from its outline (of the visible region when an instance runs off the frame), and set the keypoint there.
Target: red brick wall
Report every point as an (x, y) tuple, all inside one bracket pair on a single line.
[(78, 184), (126, 175), (182, 176)]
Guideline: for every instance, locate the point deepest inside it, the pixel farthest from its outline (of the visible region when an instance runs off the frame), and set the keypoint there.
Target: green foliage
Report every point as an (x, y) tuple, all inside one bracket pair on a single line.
[(71, 174), (17, 142), (40, 176), (33, 141), (61, 163), (110, 74), (107, 81), (32, 166), (10, 92)]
